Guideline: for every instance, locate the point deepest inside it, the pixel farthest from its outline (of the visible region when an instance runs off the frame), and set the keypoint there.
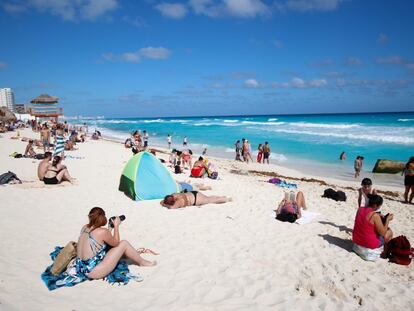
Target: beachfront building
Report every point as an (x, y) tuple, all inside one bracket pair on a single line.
[(45, 106), (7, 98)]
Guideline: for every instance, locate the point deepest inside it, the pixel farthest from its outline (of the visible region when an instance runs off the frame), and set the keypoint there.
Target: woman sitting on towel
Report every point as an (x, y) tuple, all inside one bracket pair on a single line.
[(199, 168), (371, 228), (94, 259), (191, 198), (290, 208)]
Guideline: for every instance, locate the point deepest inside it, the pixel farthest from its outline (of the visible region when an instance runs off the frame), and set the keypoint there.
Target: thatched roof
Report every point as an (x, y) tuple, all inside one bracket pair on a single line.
[(6, 115), (45, 98)]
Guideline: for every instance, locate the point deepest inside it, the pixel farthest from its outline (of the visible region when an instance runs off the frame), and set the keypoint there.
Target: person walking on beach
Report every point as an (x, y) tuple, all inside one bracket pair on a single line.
[(245, 151), (259, 153), (238, 149), (409, 180), (145, 139), (59, 141), (169, 141), (185, 141), (358, 165), (266, 152), (45, 137)]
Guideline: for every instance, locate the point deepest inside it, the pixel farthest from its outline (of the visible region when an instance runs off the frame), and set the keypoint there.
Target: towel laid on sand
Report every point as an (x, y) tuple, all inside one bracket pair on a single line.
[(307, 217)]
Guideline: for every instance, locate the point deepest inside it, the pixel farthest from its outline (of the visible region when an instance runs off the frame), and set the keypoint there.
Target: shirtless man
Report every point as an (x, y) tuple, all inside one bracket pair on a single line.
[(191, 198), (43, 165), (45, 137), (266, 152)]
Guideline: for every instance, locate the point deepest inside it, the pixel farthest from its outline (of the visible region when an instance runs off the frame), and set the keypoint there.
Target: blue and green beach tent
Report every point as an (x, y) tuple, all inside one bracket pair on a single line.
[(146, 178)]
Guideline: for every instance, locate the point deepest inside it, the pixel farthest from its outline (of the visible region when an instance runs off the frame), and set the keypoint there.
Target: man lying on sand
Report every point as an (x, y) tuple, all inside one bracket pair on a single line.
[(290, 207), (191, 198)]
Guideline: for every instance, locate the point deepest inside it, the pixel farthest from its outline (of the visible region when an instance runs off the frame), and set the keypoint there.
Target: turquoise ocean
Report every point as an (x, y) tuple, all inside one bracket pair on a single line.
[(308, 143)]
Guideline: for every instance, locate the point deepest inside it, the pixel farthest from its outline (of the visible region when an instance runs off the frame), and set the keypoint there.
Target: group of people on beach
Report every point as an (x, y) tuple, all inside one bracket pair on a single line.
[(244, 151)]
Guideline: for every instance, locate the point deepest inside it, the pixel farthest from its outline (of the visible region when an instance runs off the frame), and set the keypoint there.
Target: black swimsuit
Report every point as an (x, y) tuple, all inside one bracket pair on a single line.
[(195, 196), (51, 180)]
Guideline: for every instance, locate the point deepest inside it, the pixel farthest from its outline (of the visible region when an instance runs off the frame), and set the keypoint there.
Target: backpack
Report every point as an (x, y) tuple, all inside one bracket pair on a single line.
[(8, 177), (334, 195), (400, 251)]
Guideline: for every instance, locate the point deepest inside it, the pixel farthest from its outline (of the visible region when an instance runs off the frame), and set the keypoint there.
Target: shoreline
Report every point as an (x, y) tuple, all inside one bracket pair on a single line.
[(316, 169)]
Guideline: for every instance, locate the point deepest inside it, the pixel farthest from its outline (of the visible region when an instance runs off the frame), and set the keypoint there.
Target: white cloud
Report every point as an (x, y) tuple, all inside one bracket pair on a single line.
[(246, 8), (67, 9), (3, 65), (382, 38), (318, 82), (237, 8), (155, 53), (172, 10), (251, 83), (353, 61), (298, 82), (308, 5), (390, 60), (137, 56)]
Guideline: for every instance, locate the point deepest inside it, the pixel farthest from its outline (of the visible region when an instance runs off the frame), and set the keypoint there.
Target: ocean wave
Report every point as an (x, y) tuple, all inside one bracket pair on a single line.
[(405, 120), (262, 123), (213, 123), (179, 121), (117, 122), (392, 139), (231, 121), (272, 119), (324, 125), (154, 121), (230, 150)]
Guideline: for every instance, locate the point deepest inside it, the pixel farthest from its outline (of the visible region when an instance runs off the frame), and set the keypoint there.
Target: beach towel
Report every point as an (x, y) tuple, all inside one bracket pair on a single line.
[(60, 145), (120, 275), (282, 183), (306, 218)]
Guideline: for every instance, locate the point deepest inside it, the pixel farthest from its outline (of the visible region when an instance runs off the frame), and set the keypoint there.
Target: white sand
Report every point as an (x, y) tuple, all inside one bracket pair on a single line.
[(233, 256)]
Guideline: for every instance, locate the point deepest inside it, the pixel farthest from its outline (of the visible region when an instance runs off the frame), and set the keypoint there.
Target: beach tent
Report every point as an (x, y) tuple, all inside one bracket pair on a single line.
[(146, 178)]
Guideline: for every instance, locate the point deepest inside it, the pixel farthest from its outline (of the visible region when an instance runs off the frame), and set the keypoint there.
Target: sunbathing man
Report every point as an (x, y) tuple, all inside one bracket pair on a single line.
[(43, 165), (192, 198), (290, 207)]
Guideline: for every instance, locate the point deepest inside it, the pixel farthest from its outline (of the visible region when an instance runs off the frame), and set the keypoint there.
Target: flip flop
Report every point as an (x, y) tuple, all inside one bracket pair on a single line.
[(143, 250)]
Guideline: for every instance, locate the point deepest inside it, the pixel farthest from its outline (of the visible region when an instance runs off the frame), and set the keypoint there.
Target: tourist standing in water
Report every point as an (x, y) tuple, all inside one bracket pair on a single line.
[(185, 141), (169, 141), (358, 165), (145, 139), (409, 181), (266, 152), (342, 156), (238, 148)]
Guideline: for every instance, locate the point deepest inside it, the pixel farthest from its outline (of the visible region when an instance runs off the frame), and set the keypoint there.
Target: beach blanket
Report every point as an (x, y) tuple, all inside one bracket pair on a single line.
[(306, 218), (120, 275), (282, 183)]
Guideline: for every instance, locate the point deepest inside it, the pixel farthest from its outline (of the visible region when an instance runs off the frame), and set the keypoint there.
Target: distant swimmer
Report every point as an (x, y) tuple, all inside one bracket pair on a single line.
[(342, 156), (185, 141)]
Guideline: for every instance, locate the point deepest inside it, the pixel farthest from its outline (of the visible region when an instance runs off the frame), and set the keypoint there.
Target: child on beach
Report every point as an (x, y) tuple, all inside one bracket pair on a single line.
[(365, 191), (177, 168)]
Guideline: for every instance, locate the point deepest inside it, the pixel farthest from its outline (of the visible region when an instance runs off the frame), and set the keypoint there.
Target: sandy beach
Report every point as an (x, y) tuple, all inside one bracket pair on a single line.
[(234, 256)]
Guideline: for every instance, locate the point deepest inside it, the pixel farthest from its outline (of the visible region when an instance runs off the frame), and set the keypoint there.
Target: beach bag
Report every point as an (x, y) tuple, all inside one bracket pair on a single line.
[(334, 195), (8, 177), (400, 251), (63, 259), (275, 180), (213, 175)]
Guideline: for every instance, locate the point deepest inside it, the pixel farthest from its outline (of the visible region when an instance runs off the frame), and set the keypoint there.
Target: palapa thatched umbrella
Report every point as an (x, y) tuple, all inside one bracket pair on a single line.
[(6, 115), (45, 99)]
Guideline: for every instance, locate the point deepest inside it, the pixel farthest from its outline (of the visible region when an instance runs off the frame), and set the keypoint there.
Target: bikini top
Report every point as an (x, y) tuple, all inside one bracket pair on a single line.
[(95, 246)]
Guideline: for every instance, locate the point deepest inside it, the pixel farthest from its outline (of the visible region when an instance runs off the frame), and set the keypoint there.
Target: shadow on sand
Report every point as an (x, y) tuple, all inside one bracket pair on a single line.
[(341, 228), (345, 244)]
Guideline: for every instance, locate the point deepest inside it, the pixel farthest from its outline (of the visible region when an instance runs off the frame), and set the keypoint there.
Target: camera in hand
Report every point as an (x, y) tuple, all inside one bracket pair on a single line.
[(384, 218), (111, 220)]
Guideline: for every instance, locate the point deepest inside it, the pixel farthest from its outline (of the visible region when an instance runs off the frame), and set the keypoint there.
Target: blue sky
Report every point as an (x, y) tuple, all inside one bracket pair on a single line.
[(210, 57)]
